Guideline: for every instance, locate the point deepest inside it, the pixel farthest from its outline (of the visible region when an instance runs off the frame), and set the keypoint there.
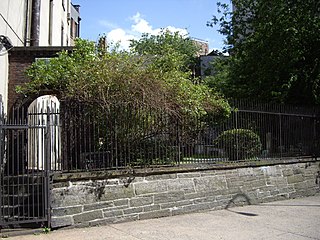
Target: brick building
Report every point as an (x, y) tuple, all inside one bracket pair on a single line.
[(32, 26), (20, 59)]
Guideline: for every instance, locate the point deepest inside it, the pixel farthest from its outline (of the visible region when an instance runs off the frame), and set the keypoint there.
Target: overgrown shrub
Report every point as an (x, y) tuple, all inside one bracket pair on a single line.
[(156, 151), (239, 144)]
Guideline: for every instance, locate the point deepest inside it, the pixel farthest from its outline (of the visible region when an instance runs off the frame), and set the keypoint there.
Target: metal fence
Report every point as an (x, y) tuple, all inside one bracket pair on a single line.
[(25, 166), (136, 136), (47, 137)]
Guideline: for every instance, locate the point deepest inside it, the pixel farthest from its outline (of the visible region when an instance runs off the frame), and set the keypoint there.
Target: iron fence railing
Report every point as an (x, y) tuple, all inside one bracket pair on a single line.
[(83, 138), (25, 168), (136, 136)]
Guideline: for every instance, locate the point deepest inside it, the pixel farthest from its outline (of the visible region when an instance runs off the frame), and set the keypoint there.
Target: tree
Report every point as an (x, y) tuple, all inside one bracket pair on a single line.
[(171, 50), (275, 50), (136, 98), (155, 78)]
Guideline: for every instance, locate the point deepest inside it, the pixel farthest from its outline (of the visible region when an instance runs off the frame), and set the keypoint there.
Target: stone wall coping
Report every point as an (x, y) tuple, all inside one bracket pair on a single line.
[(60, 177)]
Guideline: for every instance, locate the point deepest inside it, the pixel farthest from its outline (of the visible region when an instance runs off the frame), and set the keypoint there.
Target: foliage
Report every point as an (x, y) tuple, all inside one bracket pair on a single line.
[(154, 151), (170, 51), (274, 47), (46, 230), (104, 78), (239, 144), (125, 92)]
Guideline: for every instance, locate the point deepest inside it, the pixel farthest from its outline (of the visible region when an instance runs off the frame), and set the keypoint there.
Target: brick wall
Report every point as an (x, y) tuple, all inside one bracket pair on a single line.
[(20, 58), (97, 202), (18, 63)]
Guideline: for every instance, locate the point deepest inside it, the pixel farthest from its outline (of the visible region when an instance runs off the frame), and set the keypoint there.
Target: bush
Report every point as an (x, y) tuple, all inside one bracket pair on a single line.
[(153, 151), (239, 144)]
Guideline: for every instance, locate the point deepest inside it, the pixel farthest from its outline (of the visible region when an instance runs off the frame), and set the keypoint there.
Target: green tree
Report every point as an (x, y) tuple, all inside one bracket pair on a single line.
[(104, 78), (137, 98), (171, 51), (275, 50)]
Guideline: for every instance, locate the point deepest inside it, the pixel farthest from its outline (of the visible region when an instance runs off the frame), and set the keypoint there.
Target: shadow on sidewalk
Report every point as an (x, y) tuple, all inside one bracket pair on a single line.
[(245, 200), (240, 197)]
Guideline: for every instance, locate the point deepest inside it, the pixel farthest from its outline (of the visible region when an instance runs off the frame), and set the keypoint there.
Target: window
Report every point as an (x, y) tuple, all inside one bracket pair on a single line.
[(76, 27), (62, 33), (72, 28), (50, 22)]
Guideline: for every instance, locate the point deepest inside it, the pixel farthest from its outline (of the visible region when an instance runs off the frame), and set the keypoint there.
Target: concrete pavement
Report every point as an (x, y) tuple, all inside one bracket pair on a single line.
[(291, 219)]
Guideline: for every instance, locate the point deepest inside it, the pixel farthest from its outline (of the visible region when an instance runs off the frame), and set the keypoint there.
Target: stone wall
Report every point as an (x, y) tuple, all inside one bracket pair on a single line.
[(95, 202)]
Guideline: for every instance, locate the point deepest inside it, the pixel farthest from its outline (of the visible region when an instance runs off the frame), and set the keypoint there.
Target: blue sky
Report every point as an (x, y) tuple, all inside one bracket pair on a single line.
[(121, 20)]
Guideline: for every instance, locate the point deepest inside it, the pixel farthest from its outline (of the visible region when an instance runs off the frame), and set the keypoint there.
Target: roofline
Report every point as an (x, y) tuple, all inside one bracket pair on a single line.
[(39, 51)]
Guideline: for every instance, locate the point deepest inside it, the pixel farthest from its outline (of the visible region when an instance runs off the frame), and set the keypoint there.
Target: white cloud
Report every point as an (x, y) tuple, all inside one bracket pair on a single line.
[(120, 36), (138, 27)]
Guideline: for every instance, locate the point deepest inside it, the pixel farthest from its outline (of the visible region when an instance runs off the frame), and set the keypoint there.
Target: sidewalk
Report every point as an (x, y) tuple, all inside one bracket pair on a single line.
[(291, 219)]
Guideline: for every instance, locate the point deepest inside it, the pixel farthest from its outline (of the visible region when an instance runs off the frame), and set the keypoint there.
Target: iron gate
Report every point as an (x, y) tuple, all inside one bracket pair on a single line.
[(25, 174)]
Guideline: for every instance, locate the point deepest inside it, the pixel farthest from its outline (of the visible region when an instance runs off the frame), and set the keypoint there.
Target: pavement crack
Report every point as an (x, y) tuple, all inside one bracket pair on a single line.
[(293, 233), (129, 234)]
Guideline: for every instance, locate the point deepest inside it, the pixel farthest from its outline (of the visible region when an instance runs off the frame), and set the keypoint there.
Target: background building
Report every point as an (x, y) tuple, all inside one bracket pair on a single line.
[(35, 23)]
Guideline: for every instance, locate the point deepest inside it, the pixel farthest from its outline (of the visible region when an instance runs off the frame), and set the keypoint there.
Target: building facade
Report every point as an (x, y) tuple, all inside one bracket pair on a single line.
[(36, 23)]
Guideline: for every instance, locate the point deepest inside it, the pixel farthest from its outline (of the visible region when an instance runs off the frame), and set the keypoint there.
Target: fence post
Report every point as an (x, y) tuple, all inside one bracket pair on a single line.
[(178, 142), (315, 141), (2, 152), (47, 163), (280, 135), (237, 137)]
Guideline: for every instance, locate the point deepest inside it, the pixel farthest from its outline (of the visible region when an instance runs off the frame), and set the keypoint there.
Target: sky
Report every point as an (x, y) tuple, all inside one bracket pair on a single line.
[(122, 20)]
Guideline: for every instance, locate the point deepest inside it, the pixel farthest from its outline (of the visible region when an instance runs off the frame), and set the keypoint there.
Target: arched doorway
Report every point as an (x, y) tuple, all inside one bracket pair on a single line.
[(44, 138)]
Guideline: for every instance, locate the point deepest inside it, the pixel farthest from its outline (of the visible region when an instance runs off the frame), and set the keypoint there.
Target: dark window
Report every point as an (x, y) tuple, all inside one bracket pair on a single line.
[(50, 22), (62, 33)]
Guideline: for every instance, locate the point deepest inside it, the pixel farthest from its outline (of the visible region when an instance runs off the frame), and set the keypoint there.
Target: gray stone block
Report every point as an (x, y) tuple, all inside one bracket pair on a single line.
[(151, 208), (193, 208), (117, 192), (121, 202), (257, 184), (155, 214), (168, 197), (150, 187), (204, 199), (287, 172), (61, 221), (113, 213), (73, 195), (271, 171), (141, 201), (99, 205), (295, 178), (161, 177), (176, 204), (189, 175), (121, 219), (264, 194), (277, 181), (133, 210), (210, 183), (115, 208), (88, 216), (185, 184), (67, 211), (298, 170), (246, 172), (198, 195)]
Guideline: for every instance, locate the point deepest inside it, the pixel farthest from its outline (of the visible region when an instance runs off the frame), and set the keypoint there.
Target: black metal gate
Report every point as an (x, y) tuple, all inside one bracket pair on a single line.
[(25, 169)]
